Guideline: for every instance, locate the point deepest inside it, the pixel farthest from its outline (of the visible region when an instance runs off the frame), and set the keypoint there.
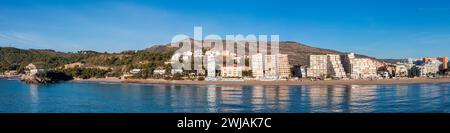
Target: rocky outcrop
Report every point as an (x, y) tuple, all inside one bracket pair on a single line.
[(49, 77), (33, 79)]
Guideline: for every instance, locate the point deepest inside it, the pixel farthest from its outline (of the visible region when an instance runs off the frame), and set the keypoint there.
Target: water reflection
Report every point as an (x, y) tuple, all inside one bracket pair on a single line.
[(97, 97), (332, 98), (34, 97)]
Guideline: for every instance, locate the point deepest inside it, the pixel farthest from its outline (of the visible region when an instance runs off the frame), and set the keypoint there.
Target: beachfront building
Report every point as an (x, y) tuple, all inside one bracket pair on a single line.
[(401, 70), (270, 67), (390, 68), (231, 72), (335, 69), (159, 71), (359, 68), (257, 66), (135, 71), (325, 66), (211, 66), (317, 66), (175, 71), (443, 60), (31, 69), (428, 69), (284, 71)]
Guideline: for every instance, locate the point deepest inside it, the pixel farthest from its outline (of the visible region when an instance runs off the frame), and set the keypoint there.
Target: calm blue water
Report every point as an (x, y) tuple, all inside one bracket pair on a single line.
[(115, 97)]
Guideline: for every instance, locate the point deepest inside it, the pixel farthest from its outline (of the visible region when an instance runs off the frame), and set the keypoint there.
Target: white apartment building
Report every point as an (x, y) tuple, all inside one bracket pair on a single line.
[(334, 67), (257, 66), (317, 66), (270, 67), (159, 71), (284, 70), (425, 69), (359, 68), (211, 65), (325, 65), (231, 72)]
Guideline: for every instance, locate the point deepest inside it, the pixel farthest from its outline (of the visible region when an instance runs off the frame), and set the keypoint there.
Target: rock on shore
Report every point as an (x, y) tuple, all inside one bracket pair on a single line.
[(33, 79), (49, 77)]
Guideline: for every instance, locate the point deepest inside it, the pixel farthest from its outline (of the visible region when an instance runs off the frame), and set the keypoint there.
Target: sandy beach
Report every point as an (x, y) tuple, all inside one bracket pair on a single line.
[(291, 82)]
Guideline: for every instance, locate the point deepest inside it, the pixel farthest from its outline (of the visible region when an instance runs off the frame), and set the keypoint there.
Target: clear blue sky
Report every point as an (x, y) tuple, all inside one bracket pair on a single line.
[(379, 28)]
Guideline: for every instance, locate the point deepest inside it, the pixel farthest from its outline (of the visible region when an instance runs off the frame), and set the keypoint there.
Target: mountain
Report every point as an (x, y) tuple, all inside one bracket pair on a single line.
[(17, 59), (150, 58), (298, 53)]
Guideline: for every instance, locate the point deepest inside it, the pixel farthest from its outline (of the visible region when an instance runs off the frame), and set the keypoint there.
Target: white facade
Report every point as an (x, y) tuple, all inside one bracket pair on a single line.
[(359, 68), (283, 68), (258, 66), (211, 66), (426, 69), (231, 72), (37, 71), (334, 67), (270, 67), (317, 66), (175, 71), (135, 71), (159, 71), (325, 65)]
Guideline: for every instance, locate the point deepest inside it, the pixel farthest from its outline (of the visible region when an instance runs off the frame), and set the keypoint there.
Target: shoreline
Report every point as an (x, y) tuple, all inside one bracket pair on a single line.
[(288, 83)]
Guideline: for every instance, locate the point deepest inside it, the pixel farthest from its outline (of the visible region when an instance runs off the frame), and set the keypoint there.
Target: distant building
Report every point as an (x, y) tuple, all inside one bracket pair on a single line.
[(135, 71), (126, 76), (175, 71), (73, 65), (231, 72), (428, 59), (37, 71), (10, 73), (159, 71), (444, 61), (201, 72), (390, 68), (30, 66)]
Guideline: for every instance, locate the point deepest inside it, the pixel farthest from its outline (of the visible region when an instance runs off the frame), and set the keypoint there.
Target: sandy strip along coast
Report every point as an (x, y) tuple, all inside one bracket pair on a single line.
[(291, 82)]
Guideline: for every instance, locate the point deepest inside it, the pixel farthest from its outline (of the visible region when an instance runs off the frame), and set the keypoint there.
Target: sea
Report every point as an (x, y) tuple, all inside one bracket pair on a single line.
[(107, 97)]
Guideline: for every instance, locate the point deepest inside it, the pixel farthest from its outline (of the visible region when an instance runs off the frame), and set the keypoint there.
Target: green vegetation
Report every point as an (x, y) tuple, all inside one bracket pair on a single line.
[(54, 76), (85, 73), (119, 63)]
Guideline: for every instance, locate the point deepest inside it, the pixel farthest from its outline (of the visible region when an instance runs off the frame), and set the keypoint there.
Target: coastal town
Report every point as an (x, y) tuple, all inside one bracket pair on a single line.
[(261, 67), (321, 67)]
